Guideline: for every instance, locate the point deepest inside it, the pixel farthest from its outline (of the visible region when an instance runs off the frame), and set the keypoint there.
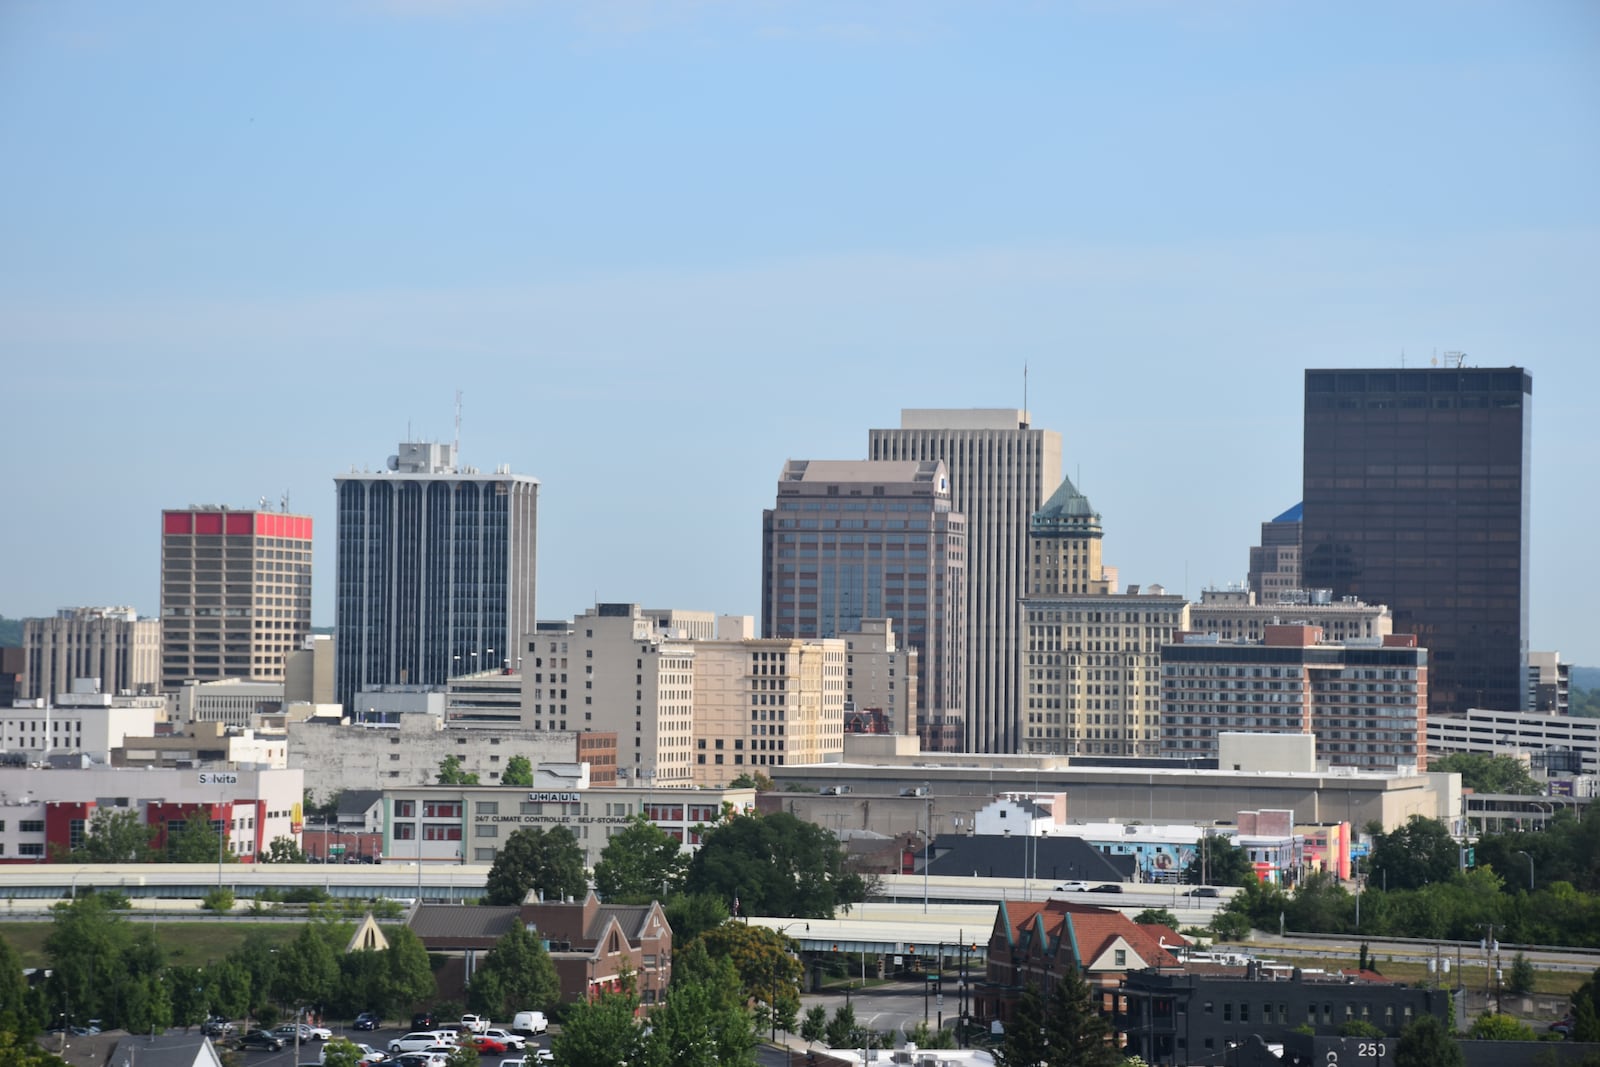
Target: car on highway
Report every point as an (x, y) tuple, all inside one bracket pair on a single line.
[(1204, 891), (1072, 887), (1106, 887), (515, 1042), (367, 1020), (262, 1039)]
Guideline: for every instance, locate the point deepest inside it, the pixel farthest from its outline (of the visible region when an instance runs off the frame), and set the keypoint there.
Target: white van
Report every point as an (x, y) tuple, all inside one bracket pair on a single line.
[(529, 1022)]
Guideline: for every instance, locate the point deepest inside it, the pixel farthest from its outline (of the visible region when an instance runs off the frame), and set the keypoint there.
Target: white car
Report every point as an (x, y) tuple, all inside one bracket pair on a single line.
[(511, 1041), (418, 1041), (307, 1032), (370, 1054), (1072, 887)]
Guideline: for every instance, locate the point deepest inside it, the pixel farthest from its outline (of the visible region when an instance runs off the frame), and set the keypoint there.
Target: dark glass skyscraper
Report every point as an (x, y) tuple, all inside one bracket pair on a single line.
[(436, 570), (1416, 496)]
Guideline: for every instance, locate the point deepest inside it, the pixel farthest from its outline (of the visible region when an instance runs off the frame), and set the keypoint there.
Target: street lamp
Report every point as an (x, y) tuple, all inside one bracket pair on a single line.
[(1529, 858)]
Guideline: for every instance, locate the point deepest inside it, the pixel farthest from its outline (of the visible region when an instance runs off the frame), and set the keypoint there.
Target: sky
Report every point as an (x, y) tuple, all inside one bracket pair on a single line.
[(661, 248)]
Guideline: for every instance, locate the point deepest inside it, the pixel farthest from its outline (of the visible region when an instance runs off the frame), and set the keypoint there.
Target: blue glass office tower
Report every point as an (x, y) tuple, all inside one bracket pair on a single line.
[(436, 570)]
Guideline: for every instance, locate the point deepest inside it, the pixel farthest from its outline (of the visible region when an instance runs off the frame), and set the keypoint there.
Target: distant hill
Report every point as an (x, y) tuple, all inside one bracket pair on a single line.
[(1586, 677), (10, 632)]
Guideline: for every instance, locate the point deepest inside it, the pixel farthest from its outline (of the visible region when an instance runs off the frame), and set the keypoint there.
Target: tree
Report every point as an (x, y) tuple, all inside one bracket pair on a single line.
[(1488, 774), (114, 835), (842, 1031), (1076, 1033), (1521, 974), (308, 969), (763, 959), (774, 865), (198, 840), (1157, 917), (639, 864), (340, 1052), (1359, 1028), (516, 974), (752, 780), (1219, 861), (463, 1055), (87, 946), (815, 1025), (600, 1033), (219, 900), (691, 914), (188, 995), (1426, 1043), (1421, 852), (1586, 1009), (282, 850), (450, 772), (519, 771), (14, 1015), (1024, 1041), (705, 1022), (409, 975), (1495, 1027), (534, 858)]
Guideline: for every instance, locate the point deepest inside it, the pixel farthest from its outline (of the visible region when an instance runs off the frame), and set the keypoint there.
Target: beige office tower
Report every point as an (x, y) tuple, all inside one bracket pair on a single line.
[(1091, 659), (612, 670), (761, 703), (1000, 471), (111, 645)]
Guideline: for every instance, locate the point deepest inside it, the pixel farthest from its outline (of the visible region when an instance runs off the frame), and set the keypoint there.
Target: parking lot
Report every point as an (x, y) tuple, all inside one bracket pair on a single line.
[(378, 1039)]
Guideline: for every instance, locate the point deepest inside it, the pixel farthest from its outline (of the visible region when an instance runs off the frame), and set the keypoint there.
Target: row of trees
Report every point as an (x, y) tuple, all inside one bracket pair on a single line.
[(104, 967), (120, 835), (771, 864)]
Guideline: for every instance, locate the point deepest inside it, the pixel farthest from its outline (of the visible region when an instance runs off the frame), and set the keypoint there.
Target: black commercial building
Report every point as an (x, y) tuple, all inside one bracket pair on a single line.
[(1198, 1017), (1416, 496)]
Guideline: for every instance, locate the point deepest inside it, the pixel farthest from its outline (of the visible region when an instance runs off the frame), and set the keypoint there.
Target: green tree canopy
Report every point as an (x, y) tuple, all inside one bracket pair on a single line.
[(641, 863), (705, 1022), (1488, 774), (515, 975), (1157, 917), (1419, 853), (15, 1017), (198, 840), (308, 969), (282, 850), (769, 972), (1075, 1031), (752, 780), (1586, 1009), (691, 914), (774, 865), (519, 771), (1495, 1027), (534, 858), (90, 949), (1219, 861), (600, 1033), (115, 835), (1426, 1043), (340, 1052), (450, 772), (408, 976), (1024, 1042)]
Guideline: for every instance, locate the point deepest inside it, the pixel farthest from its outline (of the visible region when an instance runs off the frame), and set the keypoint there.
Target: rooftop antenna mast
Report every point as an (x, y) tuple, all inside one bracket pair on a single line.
[(455, 451), (1026, 416)]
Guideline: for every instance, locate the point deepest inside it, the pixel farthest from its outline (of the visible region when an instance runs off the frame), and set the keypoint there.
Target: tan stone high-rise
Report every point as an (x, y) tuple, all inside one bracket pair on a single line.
[(1000, 470), (1091, 663), (112, 644)]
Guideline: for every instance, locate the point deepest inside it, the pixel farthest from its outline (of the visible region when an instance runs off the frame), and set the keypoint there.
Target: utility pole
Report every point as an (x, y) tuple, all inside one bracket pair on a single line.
[(1490, 946)]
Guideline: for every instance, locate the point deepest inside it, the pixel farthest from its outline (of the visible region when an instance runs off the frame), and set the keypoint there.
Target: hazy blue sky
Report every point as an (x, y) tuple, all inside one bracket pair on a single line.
[(663, 247)]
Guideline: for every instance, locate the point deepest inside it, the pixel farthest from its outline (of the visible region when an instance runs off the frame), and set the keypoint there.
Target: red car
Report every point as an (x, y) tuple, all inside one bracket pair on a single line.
[(488, 1045)]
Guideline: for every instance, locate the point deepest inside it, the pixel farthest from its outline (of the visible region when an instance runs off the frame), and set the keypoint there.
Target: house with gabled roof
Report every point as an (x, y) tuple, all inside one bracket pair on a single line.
[(1037, 942)]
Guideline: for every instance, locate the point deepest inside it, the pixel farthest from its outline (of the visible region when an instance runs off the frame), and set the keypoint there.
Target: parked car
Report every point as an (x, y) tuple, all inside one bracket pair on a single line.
[(543, 1055), (370, 1054), (264, 1039), (419, 1059), (530, 1022), (488, 1046), (1072, 887), (1106, 887), (217, 1027), (476, 1024), (423, 1020), (512, 1041), (416, 1041), (367, 1020), (1563, 1027), (1204, 891), (307, 1032)]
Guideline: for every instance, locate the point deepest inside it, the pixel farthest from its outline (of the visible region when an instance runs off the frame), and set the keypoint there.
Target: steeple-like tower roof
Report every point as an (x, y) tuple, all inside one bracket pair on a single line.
[(1067, 513)]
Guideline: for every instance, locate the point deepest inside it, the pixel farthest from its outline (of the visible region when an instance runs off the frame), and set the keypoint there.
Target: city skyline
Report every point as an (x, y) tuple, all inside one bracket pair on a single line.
[(242, 270)]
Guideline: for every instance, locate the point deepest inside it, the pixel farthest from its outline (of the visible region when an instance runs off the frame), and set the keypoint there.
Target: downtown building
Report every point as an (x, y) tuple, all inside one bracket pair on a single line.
[(1366, 702), (1275, 562), (849, 542), (121, 651), (1416, 496), (436, 570), (1091, 657), (235, 593), (1000, 470)]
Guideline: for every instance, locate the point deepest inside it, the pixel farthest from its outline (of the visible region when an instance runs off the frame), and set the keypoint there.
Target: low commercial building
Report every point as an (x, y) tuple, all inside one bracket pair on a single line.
[(469, 824), (205, 745), (48, 812), (92, 723)]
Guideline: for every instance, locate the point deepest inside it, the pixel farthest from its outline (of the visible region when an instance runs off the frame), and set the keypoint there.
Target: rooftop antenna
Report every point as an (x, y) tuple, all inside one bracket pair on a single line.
[(283, 501), (1025, 416), (455, 450)]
